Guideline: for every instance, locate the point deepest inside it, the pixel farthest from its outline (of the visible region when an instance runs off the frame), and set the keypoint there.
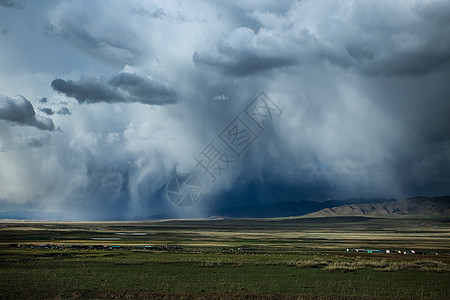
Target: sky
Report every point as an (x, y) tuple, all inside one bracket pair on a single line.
[(102, 103)]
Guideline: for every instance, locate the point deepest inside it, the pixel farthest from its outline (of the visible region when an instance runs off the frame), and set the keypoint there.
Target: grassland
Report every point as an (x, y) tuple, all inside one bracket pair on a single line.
[(286, 258)]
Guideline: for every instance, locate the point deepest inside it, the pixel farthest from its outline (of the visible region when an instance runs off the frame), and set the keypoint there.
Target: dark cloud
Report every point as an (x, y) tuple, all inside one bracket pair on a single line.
[(245, 53), (154, 12), (123, 87), (43, 100), (87, 89), (242, 64), (437, 12), (64, 111), (37, 143), (19, 110), (5, 31), (417, 44), (11, 3), (142, 89), (47, 111)]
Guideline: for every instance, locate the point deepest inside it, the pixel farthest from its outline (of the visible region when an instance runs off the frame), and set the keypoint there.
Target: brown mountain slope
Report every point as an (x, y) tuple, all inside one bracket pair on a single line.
[(412, 206)]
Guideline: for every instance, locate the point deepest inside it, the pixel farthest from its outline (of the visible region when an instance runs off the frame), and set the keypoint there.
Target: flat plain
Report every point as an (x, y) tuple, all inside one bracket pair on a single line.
[(288, 258)]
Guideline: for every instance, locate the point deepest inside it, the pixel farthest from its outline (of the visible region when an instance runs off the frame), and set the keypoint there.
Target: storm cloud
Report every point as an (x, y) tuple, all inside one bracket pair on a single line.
[(243, 53), (18, 110), (409, 40), (11, 3), (123, 87), (47, 111), (363, 86), (64, 111)]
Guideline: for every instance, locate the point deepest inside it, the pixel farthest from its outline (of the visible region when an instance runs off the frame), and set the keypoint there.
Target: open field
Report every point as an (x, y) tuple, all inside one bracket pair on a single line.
[(283, 258)]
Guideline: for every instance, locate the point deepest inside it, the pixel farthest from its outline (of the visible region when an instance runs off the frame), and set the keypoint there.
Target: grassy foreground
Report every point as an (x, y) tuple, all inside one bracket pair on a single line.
[(56, 272), (272, 268)]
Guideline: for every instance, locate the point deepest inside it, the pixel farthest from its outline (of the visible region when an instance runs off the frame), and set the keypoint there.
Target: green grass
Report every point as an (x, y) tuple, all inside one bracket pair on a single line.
[(220, 273)]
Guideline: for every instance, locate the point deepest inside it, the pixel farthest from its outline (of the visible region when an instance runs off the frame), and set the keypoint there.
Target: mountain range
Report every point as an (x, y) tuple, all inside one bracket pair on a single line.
[(349, 207)]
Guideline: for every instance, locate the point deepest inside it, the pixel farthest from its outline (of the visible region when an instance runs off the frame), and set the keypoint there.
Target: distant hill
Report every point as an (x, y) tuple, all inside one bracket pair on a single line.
[(411, 206)]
